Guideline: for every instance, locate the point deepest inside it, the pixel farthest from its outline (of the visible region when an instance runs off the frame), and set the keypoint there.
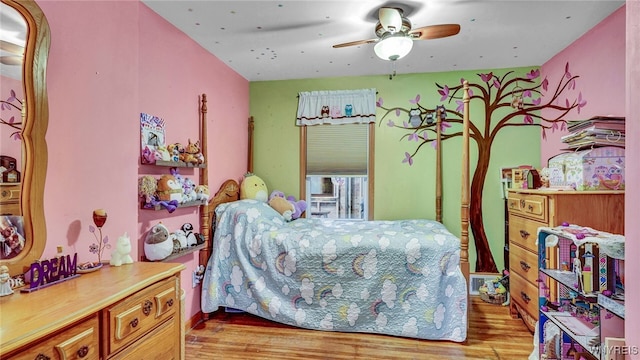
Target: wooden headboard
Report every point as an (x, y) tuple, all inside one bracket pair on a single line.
[(230, 189)]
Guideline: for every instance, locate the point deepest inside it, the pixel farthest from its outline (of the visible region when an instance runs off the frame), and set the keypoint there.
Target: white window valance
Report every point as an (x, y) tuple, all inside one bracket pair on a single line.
[(336, 107)]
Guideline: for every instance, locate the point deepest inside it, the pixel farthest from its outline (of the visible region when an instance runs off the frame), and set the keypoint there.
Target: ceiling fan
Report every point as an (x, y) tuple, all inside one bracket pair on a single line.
[(395, 35), (16, 53)]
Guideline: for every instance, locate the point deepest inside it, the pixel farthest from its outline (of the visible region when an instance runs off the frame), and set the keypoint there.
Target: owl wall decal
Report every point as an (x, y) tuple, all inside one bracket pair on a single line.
[(415, 117)]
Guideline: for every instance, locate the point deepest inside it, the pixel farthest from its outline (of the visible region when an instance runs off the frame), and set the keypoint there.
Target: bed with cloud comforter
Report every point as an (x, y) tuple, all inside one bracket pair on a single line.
[(397, 278)]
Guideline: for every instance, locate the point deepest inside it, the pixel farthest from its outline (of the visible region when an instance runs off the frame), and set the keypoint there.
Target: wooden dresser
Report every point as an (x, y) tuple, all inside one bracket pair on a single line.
[(126, 312), (531, 209)]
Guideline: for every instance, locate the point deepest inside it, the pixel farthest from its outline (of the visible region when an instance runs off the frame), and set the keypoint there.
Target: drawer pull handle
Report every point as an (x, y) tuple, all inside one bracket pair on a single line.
[(522, 203), (42, 357), (524, 234), (524, 265), (525, 297), (146, 308), (170, 302), (83, 351), (134, 323)]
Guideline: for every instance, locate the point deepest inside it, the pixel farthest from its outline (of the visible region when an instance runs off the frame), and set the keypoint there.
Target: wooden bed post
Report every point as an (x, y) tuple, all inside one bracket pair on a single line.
[(205, 226), (438, 166), (250, 146), (464, 209)]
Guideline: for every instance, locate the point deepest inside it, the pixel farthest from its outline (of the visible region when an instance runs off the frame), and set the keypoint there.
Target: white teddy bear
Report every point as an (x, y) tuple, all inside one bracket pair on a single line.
[(122, 252)]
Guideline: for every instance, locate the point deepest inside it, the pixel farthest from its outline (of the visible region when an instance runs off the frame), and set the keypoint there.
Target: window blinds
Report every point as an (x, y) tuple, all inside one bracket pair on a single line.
[(337, 149)]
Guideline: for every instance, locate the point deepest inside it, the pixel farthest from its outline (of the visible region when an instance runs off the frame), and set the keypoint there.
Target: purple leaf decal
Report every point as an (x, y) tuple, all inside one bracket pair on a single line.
[(425, 136), (106, 239), (12, 119), (416, 100), (554, 126), (444, 125), (405, 124), (536, 101), (16, 136), (526, 93), (379, 102), (460, 105), (533, 74), (544, 134), (545, 84), (407, 159), (461, 81), (413, 137), (470, 92), (566, 102), (390, 123), (572, 84), (91, 228), (567, 74), (444, 92), (528, 119), (12, 93), (434, 144), (397, 112), (486, 77), (563, 127), (496, 83)]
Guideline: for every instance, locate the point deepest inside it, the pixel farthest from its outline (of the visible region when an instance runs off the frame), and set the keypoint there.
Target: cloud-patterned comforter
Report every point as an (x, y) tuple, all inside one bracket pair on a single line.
[(390, 277)]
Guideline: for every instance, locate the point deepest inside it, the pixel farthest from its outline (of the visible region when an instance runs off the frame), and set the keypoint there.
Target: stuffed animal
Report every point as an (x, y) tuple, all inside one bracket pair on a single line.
[(175, 150), (147, 186), (157, 244), (169, 188), (253, 187), (161, 153), (187, 228), (202, 192), (288, 207), (122, 252), (193, 154), (281, 205)]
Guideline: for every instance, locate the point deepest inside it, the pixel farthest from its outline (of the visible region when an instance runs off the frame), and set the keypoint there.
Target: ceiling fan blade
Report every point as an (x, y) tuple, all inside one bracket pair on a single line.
[(11, 60), (434, 31), (11, 47), (390, 19), (352, 43)]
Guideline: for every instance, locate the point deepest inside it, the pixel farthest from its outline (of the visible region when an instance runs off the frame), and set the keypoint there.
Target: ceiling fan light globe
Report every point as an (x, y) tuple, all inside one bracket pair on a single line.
[(393, 47)]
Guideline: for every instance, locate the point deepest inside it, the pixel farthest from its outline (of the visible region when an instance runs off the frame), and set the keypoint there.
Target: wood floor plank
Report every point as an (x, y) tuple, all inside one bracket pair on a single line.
[(492, 334)]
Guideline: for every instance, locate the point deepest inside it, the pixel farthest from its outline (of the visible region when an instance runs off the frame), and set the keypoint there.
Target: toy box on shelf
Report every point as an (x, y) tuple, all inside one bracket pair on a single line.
[(581, 293), (594, 169)]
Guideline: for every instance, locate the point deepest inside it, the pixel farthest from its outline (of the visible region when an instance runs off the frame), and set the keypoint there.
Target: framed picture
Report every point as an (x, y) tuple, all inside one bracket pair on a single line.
[(152, 136)]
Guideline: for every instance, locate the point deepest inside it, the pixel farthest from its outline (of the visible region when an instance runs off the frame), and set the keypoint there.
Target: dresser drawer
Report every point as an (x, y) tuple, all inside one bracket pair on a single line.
[(9, 193), (524, 233), (136, 315), (528, 205), (161, 343), (79, 342), (524, 263), (524, 294)]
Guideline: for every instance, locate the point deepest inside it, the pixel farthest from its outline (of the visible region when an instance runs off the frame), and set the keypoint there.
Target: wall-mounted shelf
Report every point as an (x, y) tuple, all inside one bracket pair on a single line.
[(178, 164), (180, 253), (182, 205)]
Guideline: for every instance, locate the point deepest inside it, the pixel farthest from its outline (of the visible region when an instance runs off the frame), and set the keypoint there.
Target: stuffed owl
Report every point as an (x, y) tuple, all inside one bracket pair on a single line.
[(414, 117)]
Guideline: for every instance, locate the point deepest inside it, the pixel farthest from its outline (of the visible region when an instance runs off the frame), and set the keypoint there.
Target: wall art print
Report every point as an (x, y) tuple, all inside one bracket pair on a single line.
[(152, 137)]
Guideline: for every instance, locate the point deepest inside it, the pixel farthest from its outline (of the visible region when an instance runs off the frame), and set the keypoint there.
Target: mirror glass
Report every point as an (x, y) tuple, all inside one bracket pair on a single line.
[(24, 47)]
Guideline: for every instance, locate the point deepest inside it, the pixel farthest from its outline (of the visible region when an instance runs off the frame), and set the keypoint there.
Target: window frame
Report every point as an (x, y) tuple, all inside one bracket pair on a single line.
[(370, 167)]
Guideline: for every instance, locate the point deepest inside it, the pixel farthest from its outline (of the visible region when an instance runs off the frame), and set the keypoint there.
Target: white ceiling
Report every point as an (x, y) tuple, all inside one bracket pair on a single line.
[(277, 40)]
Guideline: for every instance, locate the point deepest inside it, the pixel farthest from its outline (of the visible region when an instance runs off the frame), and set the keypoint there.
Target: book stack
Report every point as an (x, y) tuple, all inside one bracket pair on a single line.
[(597, 131)]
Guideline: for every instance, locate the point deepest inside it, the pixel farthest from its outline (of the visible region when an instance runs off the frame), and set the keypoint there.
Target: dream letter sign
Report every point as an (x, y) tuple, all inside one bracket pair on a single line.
[(48, 272)]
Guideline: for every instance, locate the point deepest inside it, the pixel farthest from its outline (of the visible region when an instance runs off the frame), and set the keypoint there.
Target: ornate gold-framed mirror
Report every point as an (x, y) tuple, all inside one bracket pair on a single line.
[(35, 118)]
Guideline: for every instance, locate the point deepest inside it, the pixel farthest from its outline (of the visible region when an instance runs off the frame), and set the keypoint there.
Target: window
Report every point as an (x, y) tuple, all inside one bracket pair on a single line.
[(336, 170), (336, 162)]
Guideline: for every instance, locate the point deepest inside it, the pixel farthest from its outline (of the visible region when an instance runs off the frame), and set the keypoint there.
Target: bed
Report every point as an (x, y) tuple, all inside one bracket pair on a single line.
[(402, 278)]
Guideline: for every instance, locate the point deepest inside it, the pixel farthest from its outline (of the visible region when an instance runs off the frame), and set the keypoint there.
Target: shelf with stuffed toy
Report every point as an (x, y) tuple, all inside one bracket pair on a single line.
[(162, 245), (171, 191)]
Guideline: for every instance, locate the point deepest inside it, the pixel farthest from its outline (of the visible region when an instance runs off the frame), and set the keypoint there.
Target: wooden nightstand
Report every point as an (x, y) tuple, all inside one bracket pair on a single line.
[(531, 209)]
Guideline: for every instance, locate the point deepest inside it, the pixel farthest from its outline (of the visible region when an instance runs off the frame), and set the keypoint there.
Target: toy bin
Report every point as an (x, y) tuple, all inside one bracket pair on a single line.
[(594, 169)]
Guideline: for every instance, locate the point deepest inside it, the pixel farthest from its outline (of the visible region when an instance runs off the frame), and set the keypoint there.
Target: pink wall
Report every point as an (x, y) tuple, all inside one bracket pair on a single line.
[(598, 58), (632, 172), (607, 59), (99, 81), (9, 145)]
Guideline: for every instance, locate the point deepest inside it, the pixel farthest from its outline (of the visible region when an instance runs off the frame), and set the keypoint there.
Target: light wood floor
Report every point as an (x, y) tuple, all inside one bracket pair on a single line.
[(492, 335)]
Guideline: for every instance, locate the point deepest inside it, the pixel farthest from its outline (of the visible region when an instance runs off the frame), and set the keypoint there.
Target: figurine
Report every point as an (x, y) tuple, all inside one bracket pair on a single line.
[(122, 253), (5, 285)]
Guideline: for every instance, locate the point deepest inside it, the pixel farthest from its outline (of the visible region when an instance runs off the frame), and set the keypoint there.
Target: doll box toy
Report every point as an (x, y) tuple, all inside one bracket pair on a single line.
[(593, 169)]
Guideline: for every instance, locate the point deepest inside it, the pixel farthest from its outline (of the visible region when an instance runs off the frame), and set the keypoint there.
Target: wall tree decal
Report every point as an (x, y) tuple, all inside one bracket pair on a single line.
[(509, 100)]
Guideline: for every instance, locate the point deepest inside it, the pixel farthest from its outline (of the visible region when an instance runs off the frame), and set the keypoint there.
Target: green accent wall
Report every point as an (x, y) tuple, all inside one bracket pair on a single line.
[(401, 191)]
